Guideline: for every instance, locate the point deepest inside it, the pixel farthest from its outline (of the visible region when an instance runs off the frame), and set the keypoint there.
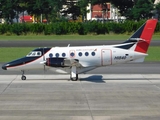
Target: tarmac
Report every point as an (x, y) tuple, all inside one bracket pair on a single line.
[(93, 97)]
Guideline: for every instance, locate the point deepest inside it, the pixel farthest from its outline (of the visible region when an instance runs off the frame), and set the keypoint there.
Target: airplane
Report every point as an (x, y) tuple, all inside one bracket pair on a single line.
[(81, 59)]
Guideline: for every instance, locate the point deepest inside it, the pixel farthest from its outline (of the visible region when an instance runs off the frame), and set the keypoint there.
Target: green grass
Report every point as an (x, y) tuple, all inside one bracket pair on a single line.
[(70, 37), (153, 54), (9, 54)]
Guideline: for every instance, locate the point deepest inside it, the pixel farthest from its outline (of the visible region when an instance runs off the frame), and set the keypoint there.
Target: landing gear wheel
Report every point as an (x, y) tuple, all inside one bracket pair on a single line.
[(23, 78), (74, 78)]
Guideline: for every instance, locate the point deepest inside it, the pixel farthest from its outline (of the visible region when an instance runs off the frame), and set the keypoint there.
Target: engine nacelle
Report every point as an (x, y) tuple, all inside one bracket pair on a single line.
[(55, 62)]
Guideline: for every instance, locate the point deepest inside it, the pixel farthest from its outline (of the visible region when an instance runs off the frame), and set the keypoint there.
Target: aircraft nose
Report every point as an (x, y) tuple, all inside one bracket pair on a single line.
[(4, 67)]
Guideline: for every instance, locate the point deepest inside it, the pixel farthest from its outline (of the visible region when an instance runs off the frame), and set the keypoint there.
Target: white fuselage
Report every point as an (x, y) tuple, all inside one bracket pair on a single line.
[(89, 57)]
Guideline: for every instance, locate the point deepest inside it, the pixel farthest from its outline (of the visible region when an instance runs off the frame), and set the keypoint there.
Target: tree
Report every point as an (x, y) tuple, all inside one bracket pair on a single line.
[(157, 7), (93, 2), (8, 9), (45, 7), (21, 7), (82, 5), (141, 10), (55, 7), (123, 5), (72, 8), (37, 7)]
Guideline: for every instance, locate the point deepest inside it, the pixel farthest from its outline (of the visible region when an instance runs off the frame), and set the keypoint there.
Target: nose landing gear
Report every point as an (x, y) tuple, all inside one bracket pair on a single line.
[(23, 76)]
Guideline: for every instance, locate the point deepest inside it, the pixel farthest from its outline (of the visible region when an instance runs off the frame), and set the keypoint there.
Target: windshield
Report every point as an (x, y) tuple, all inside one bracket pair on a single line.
[(34, 54)]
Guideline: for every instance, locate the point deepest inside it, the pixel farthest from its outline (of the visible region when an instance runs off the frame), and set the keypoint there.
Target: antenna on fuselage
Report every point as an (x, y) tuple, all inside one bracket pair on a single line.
[(68, 45)]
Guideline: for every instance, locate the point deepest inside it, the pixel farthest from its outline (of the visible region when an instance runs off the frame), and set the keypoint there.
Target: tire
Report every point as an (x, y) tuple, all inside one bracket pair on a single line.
[(23, 78), (74, 78)]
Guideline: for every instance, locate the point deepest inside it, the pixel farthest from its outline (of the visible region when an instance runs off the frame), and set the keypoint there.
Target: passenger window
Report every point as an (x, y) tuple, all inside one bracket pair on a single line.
[(80, 54), (57, 54), (93, 53), (72, 54), (50, 55), (63, 54), (86, 53)]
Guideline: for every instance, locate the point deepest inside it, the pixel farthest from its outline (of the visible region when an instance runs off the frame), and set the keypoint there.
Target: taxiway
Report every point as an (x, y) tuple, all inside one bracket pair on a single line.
[(93, 97)]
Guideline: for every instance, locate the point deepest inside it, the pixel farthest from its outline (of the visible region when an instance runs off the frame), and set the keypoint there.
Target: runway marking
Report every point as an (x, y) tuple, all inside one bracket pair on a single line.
[(151, 82), (87, 101), (8, 85)]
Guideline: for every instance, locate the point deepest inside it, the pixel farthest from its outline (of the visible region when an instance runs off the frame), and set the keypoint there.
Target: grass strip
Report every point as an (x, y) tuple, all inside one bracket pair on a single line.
[(11, 53), (153, 54), (70, 37)]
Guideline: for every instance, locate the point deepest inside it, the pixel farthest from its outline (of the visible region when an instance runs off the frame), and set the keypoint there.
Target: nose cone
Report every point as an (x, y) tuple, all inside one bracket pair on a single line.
[(4, 67)]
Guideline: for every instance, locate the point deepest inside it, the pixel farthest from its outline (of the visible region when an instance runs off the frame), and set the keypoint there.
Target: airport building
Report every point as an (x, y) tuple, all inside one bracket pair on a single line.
[(102, 12)]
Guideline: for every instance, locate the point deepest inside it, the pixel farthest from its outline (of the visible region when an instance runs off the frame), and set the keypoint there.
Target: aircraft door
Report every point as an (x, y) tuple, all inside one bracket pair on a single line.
[(106, 57)]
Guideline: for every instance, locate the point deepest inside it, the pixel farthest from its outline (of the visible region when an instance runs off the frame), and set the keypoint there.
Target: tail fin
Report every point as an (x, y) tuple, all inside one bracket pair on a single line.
[(143, 36)]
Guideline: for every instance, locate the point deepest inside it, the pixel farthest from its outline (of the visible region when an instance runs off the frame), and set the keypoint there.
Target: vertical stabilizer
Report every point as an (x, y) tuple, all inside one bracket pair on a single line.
[(143, 36)]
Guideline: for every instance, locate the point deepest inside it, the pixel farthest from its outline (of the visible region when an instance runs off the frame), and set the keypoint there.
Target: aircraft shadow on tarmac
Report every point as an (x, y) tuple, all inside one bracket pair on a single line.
[(100, 79), (93, 78)]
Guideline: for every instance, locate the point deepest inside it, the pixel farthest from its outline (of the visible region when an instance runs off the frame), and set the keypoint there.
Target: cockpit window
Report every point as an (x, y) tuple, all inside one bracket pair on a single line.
[(34, 54), (39, 53)]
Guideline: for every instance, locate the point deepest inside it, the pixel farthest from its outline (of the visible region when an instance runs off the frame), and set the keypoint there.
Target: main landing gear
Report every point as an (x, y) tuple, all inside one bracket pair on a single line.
[(23, 76), (73, 74)]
